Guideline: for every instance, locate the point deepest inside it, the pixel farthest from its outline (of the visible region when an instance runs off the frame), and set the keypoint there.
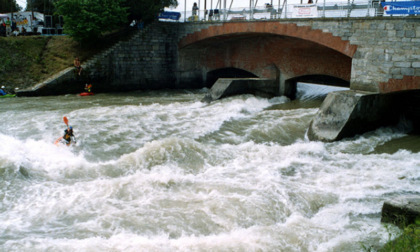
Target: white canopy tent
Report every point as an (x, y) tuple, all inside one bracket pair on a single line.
[(4, 16)]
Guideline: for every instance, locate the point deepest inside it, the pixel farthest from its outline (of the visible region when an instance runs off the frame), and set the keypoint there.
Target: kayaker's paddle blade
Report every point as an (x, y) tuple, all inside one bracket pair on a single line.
[(58, 141), (66, 121)]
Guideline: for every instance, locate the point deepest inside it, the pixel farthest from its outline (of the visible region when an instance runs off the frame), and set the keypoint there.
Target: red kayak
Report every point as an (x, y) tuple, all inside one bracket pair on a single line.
[(86, 93)]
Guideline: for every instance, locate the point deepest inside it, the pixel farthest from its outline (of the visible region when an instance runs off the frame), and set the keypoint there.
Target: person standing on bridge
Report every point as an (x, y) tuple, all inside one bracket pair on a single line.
[(194, 9)]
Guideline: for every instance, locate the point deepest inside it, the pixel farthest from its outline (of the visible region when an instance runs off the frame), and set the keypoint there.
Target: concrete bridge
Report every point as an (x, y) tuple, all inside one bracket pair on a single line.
[(377, 58)]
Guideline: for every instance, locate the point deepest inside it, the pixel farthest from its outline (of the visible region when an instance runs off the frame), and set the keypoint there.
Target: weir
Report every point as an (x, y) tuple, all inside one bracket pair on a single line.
[(230, 86)]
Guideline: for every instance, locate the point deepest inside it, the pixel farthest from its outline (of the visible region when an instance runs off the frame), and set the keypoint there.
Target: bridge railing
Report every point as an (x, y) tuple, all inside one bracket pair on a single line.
[(321, 9)]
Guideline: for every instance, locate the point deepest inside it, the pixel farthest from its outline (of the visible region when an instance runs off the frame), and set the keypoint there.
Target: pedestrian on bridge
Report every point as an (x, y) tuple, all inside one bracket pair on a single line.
[(194, 9)]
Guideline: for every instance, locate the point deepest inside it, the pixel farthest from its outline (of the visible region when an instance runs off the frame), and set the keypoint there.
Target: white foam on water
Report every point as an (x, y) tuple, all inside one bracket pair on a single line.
[(190, 176), (309, 91)]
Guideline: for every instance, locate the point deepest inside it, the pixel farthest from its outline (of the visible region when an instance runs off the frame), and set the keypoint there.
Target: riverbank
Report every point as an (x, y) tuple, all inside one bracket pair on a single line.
[(27, 60)]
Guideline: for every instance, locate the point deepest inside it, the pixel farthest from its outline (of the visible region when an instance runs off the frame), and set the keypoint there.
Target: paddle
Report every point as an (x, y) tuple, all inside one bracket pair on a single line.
[(66, 121)]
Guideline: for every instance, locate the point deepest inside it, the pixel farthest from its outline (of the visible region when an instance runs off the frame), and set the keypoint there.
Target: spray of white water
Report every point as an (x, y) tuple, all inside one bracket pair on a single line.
[(162, 171)]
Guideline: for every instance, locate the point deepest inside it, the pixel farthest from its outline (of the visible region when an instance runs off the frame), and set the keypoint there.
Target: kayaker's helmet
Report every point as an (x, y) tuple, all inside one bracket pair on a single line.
[(71, 128)]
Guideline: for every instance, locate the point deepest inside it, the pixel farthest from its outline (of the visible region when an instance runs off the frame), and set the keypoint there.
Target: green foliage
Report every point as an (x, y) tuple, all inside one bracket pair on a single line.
[(87, 20), (147, 9), (43, 6), (18, 55), (7, 6), (409, 241)]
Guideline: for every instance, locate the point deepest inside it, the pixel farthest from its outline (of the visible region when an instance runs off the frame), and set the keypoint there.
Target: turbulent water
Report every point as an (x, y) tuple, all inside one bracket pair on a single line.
[(162, 171)]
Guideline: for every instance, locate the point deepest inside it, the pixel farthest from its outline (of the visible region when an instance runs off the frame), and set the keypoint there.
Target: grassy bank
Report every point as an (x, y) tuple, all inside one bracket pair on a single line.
[(27, 60), (409, 241)]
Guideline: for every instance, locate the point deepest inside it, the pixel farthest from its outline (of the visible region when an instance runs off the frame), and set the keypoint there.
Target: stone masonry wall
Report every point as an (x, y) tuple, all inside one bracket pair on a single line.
[(147, 61), (388, 50)]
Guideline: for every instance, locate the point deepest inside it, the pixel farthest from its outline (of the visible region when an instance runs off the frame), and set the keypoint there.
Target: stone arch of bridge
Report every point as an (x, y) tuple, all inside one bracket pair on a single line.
[(279, 51), (276, 28)]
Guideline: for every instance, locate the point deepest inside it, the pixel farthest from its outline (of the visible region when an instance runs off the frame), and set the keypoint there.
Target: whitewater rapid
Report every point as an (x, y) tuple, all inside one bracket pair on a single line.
[(162, 171)]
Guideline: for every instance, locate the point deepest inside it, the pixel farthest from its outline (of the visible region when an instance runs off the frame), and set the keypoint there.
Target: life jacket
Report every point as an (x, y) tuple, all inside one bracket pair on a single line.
[(67, 135)]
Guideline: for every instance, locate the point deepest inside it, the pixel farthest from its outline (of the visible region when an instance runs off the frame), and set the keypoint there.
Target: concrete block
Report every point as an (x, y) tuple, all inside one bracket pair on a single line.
[(398, 57), (390, 26), (410, 34), (402, 64), (392, 33), (396, 71), (347, 113), (407, 71), (400, 34), (399, 26)]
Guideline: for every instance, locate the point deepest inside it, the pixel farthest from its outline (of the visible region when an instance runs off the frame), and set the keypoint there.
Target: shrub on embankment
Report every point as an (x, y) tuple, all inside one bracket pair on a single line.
[(409, 241), (26, 60)]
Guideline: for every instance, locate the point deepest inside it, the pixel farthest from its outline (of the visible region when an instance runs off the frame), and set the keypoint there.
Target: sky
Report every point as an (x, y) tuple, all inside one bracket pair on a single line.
[(21, 3)]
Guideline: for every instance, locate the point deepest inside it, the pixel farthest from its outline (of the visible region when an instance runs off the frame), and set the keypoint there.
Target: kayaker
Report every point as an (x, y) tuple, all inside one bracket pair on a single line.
[(3, 91), (88, 87), (68, 135)]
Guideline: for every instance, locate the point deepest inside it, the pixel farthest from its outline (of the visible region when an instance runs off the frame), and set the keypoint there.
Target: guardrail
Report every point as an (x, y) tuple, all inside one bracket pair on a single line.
[(350, 8)]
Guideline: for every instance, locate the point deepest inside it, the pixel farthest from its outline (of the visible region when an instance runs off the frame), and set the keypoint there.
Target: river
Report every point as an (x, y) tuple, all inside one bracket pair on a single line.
[(162, 171)]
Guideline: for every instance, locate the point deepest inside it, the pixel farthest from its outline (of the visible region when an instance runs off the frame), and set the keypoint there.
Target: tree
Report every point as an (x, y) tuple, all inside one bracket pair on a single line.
[(147, 9), (87, 20), (43, 6), (7, 6)]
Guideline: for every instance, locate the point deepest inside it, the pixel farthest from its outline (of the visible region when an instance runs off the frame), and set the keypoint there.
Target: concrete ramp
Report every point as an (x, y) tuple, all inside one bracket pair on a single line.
[(234, 86), (347, 113), (63, 82)]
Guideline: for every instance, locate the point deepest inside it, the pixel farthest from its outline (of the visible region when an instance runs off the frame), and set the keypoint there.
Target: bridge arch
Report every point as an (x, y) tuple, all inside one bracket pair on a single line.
[(270, 50), (276, 28)]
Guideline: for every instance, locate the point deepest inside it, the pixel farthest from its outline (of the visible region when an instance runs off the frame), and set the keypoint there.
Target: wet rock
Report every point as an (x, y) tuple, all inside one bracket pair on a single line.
[(401, 211)]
